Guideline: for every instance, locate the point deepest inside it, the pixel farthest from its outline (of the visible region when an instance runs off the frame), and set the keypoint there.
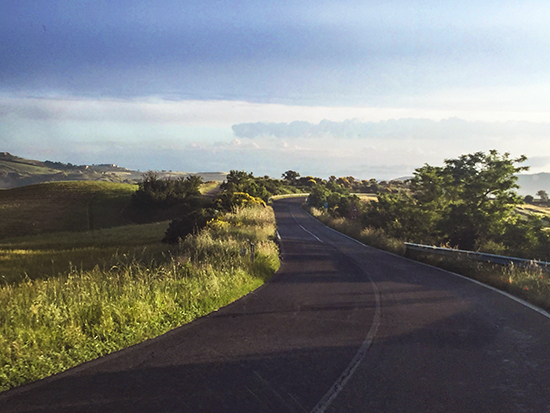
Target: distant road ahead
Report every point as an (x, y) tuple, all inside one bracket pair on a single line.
[(341, 328)]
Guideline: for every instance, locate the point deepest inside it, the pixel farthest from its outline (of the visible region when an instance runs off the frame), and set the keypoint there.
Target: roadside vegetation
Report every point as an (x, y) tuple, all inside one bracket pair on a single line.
[(470, 203), (72, 296), (88, 268)]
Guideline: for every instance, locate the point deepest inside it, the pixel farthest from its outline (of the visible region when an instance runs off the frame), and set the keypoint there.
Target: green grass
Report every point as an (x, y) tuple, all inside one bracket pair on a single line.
[(50, 324), (55, 254), (63, 206), (22, 167), (370, 236)]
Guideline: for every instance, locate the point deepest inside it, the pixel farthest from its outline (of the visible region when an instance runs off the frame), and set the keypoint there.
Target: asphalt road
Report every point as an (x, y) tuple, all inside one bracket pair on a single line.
[(341, 328)]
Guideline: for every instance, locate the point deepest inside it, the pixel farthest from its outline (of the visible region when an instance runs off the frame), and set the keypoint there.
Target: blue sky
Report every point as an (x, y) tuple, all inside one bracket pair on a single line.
[(166, 84)]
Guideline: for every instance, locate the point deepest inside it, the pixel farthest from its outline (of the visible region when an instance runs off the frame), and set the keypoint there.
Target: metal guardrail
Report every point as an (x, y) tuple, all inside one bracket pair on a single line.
[(478, 256)]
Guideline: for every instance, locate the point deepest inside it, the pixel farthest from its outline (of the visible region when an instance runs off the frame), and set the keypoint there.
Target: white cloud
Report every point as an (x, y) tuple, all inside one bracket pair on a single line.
[(155, 133)]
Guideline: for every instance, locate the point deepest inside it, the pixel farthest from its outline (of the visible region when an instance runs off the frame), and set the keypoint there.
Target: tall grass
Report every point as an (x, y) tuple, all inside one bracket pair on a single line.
[(370, 236), (49, 325), (51, 255)]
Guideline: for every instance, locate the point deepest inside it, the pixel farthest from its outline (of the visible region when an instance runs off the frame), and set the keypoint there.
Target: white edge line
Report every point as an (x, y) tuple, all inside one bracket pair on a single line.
[(312, 234), (339, 384), (309, 232)]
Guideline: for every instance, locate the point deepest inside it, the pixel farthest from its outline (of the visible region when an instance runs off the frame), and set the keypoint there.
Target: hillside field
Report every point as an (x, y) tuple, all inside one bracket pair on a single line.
[(63, 206)]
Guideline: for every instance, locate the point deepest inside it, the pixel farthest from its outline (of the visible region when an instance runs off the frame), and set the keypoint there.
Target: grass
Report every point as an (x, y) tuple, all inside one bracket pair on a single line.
[(50, 324), (25, 168), (63, 206), (353, 228), (54, 254), (531, 284)]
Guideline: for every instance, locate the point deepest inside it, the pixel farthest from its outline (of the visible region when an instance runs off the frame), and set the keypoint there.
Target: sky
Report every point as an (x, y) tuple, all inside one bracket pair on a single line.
[(367, 88)]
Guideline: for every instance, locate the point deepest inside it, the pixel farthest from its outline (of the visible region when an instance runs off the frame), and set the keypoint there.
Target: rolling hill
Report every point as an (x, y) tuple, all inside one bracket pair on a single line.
[(530, 184), (16, 172)]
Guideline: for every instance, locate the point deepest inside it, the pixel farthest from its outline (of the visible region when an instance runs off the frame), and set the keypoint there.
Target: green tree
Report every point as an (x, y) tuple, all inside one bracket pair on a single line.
[(291, 176), (543, 195), (154, 192), (467, 202), (482, 197)]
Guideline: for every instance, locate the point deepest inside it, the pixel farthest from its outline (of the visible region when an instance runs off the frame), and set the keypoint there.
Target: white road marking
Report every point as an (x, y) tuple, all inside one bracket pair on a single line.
[(309, 232), (346, 375), (312, 234), (339, 384)]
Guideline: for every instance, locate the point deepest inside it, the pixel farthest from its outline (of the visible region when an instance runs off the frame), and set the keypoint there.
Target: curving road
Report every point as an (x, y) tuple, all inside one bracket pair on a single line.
[(341, 328)]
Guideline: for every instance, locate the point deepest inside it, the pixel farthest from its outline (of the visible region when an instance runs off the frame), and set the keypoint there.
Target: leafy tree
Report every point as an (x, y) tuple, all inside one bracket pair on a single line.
[(291, 176), (154, 192), (482, 197), (318, 196), (465, 203), (543, 195)]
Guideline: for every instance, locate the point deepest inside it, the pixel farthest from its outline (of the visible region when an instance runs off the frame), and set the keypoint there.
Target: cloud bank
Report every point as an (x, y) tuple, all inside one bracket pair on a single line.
[(452, 128)]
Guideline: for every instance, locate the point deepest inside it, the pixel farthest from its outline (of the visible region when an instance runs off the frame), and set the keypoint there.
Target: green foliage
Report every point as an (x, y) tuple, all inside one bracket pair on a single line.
[(466, 203), (257, 189), (154, 192), (190, 223), (335, 197)]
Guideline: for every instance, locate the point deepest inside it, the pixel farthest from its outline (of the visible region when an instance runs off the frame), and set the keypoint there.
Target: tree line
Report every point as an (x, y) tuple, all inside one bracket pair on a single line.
[(468, 203)]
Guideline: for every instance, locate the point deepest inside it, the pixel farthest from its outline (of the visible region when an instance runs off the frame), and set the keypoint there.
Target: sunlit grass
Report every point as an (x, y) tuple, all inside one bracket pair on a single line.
[(370, 236), (49, 325), (56, 254)]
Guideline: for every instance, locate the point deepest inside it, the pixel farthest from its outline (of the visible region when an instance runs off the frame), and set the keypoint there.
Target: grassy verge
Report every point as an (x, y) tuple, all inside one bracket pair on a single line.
[(49, 325), (530, 284), (369, 236)]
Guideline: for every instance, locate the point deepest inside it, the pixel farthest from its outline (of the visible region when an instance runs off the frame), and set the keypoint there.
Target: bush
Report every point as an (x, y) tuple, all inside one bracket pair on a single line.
[(163, 193), (191, 223)]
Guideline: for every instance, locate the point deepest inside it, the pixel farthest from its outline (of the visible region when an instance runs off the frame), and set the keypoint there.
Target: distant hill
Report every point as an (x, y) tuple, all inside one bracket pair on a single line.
[(16, 172), (530, 184)]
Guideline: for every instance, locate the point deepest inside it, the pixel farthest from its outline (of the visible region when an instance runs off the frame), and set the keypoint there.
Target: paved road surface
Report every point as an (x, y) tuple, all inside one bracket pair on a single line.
[(341, 328)]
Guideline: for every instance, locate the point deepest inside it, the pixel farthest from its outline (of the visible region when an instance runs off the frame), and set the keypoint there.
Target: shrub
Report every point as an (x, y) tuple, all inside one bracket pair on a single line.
[(190, 223)]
